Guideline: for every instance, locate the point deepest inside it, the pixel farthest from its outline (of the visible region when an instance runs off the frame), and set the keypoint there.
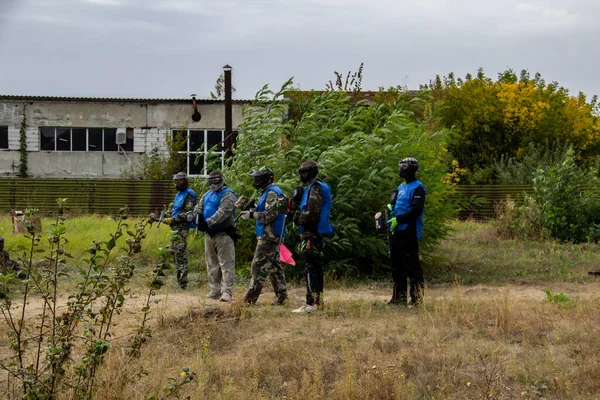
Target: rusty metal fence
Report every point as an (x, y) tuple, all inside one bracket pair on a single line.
[(97, 196), (86, 196)]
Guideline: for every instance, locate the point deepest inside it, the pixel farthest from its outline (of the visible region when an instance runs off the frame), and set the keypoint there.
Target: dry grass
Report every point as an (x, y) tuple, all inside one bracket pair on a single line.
[(467, 343), (501, 341)]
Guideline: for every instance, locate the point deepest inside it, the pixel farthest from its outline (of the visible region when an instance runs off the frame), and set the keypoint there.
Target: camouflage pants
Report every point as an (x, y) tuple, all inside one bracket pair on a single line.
[(219, 251), (266, 265), (7, 265), (179, 250)]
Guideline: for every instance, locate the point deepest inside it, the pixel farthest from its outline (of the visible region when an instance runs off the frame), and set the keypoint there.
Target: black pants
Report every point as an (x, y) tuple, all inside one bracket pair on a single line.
[(406, 266), (313, 268)]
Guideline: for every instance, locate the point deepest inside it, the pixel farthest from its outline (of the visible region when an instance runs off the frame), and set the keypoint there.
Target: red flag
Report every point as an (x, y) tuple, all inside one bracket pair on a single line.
[(285, 255)]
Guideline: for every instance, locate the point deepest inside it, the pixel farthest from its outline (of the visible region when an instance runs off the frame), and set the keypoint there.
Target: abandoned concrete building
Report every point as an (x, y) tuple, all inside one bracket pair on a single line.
[(82, 137)]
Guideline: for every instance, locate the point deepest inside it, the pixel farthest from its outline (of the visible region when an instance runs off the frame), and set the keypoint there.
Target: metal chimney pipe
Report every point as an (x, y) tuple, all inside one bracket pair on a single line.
[(228, 109)]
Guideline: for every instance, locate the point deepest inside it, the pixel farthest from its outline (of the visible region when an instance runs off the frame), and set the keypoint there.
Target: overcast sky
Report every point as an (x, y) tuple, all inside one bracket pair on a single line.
[(172, 48)]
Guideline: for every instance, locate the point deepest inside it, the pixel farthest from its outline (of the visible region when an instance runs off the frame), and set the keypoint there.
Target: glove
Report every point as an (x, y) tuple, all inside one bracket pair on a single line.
[(246, 215), (390, 207), (392, 223), (203, 226), (167, 221)]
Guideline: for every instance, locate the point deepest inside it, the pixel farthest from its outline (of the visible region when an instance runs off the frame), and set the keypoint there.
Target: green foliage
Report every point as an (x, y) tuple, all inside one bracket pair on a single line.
[(219, 93), (357, 148), (519, 170), (352, 83), (175, 384), (562, 205), (503, 117), (557, 298), (520, 222), (72, 338), (567, 211), (157, 165), (23, 145)]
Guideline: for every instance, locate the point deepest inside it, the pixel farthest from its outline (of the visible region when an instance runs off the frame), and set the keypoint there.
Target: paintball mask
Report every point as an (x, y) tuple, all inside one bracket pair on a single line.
[(408, 167), (215, 181), (262, 178), (308, 171), (181, 182)]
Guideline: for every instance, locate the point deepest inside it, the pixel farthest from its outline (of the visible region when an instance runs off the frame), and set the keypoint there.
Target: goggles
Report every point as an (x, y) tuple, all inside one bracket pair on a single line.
[(215, 180)]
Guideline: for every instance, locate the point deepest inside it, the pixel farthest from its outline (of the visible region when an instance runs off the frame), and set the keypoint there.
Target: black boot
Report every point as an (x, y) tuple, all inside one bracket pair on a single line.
[(416, 294), (398, 295)]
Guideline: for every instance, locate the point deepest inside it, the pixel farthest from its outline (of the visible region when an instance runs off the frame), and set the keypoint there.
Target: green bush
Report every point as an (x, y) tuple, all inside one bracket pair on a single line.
[(519, 170), (357, 147), (568, 212)]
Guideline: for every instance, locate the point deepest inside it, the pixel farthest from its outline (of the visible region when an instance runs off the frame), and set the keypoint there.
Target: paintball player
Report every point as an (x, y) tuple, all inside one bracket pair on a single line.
[(6, 264), (270, 227), (312, 218), (216, 219), (406, 226), (181, 219)]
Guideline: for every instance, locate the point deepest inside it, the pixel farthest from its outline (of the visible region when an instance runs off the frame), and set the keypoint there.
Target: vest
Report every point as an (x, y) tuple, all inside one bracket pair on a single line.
[(261, 206), (211, 205), (403, 204), (178, 203), (324, 226)]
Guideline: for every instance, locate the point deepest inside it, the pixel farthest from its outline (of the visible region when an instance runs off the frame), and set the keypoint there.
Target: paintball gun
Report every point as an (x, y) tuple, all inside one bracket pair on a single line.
[(294, 202), (381, 223), (161, 217), (243, 204)]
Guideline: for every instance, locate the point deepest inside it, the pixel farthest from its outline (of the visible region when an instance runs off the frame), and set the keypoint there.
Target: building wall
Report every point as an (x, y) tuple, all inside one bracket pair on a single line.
[(150, 120)]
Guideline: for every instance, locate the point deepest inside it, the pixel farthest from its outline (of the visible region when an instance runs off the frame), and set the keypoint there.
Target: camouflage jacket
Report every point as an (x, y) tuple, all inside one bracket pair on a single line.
[(309, 218), (180, 222)]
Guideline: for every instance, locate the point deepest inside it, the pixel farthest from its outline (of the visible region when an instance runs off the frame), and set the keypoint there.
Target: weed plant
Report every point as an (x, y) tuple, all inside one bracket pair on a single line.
[(58, 341), (470, 341)]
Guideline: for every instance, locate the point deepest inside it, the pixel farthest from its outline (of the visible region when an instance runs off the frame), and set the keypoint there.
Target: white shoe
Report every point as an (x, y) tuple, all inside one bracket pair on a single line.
[(305, 309), (226, 297)]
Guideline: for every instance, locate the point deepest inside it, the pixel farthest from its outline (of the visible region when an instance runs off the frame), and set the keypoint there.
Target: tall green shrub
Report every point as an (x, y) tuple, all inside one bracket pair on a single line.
[(520, 170), (357, 147), (568, 212)]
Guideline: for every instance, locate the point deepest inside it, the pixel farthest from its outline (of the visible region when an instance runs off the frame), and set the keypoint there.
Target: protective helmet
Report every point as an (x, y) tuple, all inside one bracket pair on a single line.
[(181, 181), (308, 171), (262, 178), (408, 167), (216, 181)]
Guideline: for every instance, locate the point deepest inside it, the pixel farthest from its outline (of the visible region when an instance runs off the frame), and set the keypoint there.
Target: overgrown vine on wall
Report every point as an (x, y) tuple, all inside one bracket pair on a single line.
[(23, 145)]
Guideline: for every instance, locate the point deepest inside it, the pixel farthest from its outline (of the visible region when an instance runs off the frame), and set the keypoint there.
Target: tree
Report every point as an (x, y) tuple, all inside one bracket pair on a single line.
[(219, 93), (502, 117)]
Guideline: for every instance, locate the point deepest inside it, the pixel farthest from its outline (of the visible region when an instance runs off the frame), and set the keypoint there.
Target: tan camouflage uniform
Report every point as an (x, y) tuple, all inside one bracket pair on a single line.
[(219, 248)]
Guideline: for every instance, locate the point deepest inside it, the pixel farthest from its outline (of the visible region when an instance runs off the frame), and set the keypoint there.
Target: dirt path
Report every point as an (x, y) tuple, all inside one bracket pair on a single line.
[(179, 302)]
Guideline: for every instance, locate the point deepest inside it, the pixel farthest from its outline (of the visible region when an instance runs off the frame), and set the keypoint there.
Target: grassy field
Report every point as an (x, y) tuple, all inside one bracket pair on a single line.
[(502, 319)]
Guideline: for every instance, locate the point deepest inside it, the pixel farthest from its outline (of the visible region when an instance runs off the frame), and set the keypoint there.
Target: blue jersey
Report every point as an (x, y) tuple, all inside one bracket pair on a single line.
[(403, 204)]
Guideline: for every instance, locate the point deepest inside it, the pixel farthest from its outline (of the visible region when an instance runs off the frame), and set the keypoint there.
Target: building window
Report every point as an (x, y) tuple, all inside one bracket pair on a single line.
[(203, 150), (3, 137), (82, 139)]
